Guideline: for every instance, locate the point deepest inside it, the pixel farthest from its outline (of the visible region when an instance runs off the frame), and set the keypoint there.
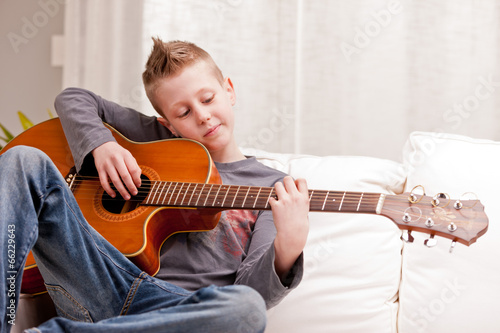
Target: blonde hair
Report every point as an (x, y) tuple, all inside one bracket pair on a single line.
[(169, 58)]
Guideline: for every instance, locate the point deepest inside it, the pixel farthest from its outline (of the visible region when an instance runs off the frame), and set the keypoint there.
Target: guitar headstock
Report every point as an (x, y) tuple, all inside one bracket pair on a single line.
[(462, 220)]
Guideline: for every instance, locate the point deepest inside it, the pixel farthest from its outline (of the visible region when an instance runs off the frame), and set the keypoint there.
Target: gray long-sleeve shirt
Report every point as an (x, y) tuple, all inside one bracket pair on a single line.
[(238, 251)]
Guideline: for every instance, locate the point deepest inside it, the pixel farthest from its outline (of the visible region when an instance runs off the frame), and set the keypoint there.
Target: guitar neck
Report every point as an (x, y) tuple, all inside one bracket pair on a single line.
[(180, 194)]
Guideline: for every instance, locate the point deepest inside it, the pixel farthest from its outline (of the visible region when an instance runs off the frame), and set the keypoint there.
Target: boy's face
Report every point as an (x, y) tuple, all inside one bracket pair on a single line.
[(196, 106)]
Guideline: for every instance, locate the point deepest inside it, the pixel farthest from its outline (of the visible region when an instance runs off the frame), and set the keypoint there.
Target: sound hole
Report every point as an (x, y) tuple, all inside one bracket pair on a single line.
[(118, 205)]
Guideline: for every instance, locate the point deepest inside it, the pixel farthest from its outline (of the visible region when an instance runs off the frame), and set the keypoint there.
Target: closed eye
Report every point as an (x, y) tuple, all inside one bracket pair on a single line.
[(185, 113), (209, 100)]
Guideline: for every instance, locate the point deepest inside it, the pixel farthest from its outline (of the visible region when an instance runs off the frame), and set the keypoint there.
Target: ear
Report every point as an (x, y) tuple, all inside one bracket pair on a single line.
[(167, 124), (228, 87)]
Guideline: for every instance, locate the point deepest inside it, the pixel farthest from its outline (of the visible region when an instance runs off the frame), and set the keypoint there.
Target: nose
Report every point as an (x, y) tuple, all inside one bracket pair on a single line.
[(203, 115)]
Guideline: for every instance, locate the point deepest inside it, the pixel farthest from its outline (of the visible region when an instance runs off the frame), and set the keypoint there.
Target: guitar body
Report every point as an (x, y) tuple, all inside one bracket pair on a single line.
[(138, 232)]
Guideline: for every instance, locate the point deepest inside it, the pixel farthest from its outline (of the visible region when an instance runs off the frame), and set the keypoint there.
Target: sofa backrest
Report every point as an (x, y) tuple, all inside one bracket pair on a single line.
[(359, 275)]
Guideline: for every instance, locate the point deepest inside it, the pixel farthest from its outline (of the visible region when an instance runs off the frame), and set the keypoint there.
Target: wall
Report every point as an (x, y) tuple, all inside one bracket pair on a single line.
[(28, 81)]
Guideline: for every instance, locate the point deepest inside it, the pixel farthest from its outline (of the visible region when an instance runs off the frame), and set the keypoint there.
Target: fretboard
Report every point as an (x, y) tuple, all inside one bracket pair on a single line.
[(179, 194)]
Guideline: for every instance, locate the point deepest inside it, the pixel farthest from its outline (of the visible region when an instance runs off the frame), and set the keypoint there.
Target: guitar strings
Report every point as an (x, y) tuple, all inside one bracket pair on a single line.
[(316, 196), (253, 190)]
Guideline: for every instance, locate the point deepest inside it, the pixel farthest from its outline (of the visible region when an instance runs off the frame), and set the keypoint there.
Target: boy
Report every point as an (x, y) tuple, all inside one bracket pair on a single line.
[(246, 248)]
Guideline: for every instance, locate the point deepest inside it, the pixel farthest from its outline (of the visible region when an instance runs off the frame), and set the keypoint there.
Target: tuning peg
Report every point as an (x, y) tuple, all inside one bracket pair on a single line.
[(453, 243), (430, 242), (407, 237)]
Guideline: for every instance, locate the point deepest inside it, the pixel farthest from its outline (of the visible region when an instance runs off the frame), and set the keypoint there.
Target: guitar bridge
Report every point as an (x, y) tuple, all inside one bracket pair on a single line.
[(70, 177)]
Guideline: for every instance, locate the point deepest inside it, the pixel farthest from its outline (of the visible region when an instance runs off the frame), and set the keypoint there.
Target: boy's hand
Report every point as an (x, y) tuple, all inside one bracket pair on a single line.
[(116, 164), (290, 213)]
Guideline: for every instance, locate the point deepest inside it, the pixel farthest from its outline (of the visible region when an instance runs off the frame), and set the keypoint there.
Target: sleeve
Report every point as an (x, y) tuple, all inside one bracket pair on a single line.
[(82, 114), (257, 270)]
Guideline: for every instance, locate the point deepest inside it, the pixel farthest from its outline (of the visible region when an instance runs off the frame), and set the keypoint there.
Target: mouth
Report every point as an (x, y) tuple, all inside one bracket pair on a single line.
[(212, 130)]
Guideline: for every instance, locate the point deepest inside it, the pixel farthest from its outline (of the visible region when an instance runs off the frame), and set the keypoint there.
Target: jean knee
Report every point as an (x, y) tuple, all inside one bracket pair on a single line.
[(250, 307), (26, 156)]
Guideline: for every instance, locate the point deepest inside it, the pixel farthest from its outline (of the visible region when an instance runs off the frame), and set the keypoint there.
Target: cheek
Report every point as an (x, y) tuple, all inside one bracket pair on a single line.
[(185, 129), (225, 112)]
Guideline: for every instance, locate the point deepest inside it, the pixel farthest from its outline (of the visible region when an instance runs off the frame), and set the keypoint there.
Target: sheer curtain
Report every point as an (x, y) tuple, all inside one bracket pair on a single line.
[(316, 77), (103, 48)]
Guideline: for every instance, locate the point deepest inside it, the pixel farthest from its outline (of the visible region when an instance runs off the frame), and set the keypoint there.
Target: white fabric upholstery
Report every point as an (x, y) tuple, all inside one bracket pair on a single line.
[(352, 261)]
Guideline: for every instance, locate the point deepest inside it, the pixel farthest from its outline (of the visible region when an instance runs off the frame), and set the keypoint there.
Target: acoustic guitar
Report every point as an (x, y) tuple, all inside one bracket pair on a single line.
[(181, 191)]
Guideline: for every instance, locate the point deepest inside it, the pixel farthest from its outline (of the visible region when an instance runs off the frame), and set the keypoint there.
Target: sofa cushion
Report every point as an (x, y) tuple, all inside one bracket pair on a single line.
[(457, 292), (352, 261)]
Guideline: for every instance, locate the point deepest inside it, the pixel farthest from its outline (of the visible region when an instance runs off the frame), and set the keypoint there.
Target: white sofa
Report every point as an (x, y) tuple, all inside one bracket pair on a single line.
[(360, 276)]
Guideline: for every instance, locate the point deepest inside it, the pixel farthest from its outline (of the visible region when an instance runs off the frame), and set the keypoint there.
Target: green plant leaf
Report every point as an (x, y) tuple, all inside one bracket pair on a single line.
[(25, 122), (8, 135)]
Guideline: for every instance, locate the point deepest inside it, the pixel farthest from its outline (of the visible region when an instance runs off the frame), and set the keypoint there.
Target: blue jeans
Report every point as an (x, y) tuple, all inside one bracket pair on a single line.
[(94, 287)]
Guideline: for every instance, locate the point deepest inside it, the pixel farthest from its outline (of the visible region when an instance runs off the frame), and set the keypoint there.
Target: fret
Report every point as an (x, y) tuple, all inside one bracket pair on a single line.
[(261, 198), (333, 201), (148, 198), (166, 192), (215, 197), (178, 193), (229, 188), (324, 201), (163, 184), (268, 197), (342, 201), (199, 196), (192, 194), (157, 192), (186, 191), (371, 202), (235, 195), (250, 197), (352, 202), (264, 197), (317, 199), (239, 199), (245, 198), (256, 197), (221, 192), (152, 193), (209, 190), (359, 203), (173, 191)]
